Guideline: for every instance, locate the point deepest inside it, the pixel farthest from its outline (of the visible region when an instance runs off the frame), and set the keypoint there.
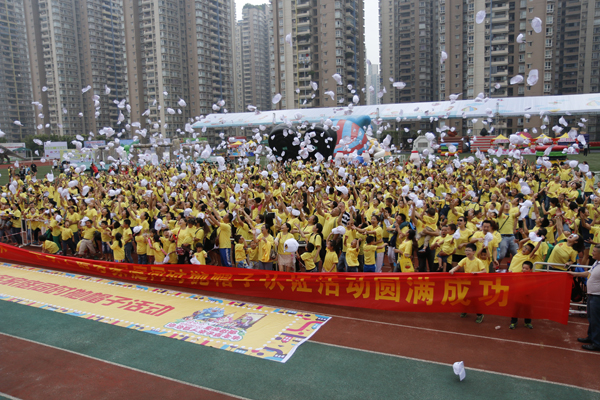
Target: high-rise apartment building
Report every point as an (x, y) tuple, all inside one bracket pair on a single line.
[(255, 55), (15, 76), (179, 49), (238, 70), (373, 81), (482, 58), (72, 45), (327, 38)]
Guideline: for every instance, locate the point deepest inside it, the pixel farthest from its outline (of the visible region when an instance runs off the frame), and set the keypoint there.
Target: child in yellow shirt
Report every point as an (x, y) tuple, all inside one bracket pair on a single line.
[(240, 252), (331, 258)]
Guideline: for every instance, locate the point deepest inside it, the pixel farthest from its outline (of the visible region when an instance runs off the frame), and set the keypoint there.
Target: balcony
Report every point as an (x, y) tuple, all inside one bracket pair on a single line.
[(497, 28), (500, 7), (500, 39), (302, 5), (499, 51)]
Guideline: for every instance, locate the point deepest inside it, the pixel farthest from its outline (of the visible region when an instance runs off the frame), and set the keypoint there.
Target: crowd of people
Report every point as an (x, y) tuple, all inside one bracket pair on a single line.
[(481, 215)]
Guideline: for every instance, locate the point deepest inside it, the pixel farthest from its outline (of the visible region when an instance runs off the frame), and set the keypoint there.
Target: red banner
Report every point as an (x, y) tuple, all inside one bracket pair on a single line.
[(540, 295)]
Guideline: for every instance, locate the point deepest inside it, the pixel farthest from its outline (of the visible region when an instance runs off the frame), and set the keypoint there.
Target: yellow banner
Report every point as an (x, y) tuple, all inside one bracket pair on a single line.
[(258, 331)]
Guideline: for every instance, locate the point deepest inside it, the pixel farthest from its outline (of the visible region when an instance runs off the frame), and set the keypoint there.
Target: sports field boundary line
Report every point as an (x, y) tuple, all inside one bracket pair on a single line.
[(8, 396), (450, 365), (123, 366)]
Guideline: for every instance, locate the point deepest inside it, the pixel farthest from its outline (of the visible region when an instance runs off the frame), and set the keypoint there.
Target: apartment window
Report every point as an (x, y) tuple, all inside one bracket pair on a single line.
[(471, 39), (548, 42), (547, 87), (521, 69), (522, 26), (523, 3), (548, 54), (549, 8), (338, 33), (549, 19), (442, 38), (549, 31), (547, 76), (521, 57), (522, 47), (523, 14), (548, 65), (521, 90)]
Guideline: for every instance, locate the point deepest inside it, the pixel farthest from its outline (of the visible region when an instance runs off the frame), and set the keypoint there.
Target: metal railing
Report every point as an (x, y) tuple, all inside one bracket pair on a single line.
[(576, 308)]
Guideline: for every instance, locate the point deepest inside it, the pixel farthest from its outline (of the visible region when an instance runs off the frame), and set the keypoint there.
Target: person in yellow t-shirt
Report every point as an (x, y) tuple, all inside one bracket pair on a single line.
[(240, 252), (200, 255), (66, 235), (526, 253), (352, 256), (224, 232), (473, 265), (50, 247), (308, 258), (285, 261), (369, 250), (405, 252), (118, 248), (141, 247), (331, 259)]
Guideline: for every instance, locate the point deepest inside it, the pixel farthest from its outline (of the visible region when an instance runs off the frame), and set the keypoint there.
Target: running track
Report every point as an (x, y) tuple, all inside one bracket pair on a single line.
[(359, 353)]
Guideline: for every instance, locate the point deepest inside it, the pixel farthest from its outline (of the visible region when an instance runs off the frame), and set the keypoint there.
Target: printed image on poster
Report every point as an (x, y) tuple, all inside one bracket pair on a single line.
[(52, 150)]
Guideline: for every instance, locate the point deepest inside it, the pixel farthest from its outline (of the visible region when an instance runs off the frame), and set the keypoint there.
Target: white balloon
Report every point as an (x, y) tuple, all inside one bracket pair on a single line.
[(480, 17), (536, 24), (276, 98), (516, 79)]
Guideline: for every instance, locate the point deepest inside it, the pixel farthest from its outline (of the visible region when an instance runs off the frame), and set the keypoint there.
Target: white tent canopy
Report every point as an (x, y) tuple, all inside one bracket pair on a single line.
[(580, 104)]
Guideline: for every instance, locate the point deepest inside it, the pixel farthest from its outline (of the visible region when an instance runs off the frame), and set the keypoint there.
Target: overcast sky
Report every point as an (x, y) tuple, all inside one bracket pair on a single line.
[(371, 25)]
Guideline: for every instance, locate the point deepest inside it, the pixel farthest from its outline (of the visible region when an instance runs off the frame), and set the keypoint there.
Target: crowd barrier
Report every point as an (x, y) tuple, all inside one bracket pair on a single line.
[(538, 296), (575, 308)]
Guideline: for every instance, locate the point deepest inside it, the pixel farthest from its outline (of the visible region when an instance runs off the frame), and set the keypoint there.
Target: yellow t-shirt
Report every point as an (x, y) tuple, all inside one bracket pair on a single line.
[(282, 239), (562, 254), (369, 251), (50, 247), (264, 248), (141, 247), (201, 257), (240, 252), (224, 235), (66, 233), (352, 256), (464, 238), (309, 262), (118, 251), (330, 262), (516, 265), (474, 265)]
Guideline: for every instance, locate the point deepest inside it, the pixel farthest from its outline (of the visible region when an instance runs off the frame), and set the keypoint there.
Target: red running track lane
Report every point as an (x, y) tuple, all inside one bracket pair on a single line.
[(35, 371)]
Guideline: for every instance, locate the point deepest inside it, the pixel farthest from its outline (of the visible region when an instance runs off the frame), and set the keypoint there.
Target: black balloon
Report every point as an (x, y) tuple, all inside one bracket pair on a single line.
[(282, 145)]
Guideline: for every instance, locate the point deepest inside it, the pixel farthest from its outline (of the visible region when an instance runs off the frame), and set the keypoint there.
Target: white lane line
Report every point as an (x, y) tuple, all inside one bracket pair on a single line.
[(449, 365), (127, 367), (8, 396), (468, 334)]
